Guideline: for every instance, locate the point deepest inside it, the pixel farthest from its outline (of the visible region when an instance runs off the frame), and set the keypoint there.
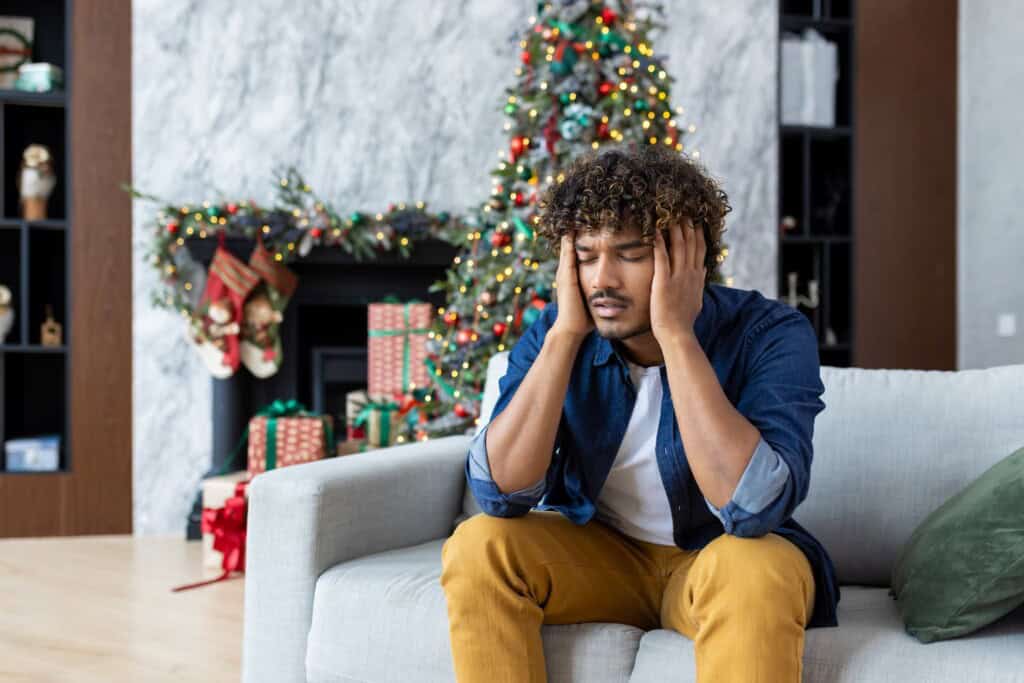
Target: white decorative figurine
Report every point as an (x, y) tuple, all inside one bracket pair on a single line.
[(6, 313), (35, 180)]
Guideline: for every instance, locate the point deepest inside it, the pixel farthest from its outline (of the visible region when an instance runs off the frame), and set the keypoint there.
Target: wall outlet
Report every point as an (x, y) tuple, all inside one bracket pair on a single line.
[(1006, 325)]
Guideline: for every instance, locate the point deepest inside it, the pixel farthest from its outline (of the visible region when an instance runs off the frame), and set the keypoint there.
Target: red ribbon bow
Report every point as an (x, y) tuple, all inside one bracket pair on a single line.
[(227, 524)]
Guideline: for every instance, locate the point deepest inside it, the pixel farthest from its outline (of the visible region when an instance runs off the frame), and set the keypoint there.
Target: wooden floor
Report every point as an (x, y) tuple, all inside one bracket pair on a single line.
[(100, 608)]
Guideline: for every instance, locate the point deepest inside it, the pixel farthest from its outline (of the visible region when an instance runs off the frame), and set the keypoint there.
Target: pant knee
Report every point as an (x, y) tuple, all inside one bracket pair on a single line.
[(466, 549), (754, 568)]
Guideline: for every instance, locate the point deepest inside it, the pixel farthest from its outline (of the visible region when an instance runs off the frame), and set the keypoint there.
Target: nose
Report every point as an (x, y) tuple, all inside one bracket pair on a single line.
[(604, 275)]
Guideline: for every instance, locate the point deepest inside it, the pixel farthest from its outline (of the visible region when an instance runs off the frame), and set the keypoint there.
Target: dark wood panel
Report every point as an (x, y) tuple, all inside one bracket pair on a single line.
[(101, 263), (905, 184)]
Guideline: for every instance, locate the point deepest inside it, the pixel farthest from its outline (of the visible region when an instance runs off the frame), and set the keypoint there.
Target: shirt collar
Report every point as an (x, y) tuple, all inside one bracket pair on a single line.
[(701, 327)]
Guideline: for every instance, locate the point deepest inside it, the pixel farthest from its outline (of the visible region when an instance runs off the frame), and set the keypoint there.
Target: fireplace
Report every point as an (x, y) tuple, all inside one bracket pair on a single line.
[(324, 334)]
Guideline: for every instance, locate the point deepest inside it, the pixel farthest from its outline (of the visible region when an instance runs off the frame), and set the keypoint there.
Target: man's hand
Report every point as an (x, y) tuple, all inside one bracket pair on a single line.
[(573, 315), (677, 290)]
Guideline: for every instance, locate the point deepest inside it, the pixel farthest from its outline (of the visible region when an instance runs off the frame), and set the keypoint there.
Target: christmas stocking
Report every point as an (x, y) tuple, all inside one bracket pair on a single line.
[(264, 311), (217, 324)]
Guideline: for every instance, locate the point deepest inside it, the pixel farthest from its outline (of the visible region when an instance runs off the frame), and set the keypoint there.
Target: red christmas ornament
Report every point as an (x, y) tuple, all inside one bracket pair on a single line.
[(524, 56), (602, 130), (316, 232), (498, 239), (499, 329), (461, 411), (608, 16), (232, 208), (451, 318), (520, 199), (516, 146), (463, 336), (172, 227), (605, 88)]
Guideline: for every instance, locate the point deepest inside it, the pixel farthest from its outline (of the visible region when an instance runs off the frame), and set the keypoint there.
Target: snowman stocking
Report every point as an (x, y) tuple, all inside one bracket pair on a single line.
[(217, 323), (261, 342)]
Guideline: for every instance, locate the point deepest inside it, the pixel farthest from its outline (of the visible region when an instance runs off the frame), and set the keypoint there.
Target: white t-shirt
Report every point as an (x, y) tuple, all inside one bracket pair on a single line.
[(633, 498)]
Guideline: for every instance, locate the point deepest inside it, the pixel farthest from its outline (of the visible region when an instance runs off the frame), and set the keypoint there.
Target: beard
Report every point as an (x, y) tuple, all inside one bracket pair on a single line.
[(611, 332)]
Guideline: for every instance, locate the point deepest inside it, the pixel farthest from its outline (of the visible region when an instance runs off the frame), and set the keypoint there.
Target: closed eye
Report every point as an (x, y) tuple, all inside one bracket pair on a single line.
[(624, 258)]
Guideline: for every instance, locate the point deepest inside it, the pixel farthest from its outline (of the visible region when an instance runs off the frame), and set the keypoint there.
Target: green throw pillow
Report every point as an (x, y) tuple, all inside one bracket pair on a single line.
[(963, 567)]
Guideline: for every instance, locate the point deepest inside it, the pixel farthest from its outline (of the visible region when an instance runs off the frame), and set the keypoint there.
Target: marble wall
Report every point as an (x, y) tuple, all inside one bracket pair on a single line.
[(377, 102)]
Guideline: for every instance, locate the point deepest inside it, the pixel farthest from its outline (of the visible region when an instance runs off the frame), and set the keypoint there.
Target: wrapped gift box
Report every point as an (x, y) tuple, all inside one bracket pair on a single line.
[(355, 401), (288, 440), (397, 346), (382, 422), (215, 492)]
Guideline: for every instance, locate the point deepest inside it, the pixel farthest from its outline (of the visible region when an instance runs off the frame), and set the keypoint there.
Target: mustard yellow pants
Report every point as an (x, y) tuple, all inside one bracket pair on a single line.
[(744, 602)]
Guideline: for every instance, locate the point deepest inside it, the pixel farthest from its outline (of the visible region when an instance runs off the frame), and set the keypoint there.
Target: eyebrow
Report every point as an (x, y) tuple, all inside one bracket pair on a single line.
[(619, 247)]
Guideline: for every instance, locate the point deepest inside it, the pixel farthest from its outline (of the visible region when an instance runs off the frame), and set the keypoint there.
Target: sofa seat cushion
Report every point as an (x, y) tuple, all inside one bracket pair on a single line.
[(869, 645), (384, 617)]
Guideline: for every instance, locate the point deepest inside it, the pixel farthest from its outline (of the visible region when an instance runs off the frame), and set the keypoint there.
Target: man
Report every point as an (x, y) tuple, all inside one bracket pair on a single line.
[(661, 425)]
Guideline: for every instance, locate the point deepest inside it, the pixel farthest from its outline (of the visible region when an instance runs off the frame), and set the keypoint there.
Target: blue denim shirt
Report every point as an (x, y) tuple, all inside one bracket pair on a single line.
[(765, 356)]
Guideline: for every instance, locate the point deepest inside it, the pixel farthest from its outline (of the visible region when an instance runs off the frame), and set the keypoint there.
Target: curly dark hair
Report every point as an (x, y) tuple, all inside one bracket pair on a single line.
[(652, 187)]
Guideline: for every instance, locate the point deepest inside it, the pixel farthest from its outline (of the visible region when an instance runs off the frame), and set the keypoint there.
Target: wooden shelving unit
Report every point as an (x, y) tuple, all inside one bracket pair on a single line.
[(816, 187), (35, 256)]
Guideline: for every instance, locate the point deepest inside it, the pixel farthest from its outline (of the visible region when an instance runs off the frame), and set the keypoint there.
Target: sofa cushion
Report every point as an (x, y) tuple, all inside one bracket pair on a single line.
[(384, 617), (868, 645), (963, 567), (891, 446)]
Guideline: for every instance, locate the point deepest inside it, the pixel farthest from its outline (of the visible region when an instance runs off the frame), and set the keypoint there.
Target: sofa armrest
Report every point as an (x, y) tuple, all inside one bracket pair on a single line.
[(305, 519)]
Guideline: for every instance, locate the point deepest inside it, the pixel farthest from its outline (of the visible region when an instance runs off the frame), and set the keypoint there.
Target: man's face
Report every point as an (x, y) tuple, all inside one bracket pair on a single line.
[(617, 268)]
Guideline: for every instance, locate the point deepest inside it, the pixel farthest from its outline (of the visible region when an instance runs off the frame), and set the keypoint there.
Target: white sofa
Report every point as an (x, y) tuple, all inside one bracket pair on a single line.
[(344, 555)]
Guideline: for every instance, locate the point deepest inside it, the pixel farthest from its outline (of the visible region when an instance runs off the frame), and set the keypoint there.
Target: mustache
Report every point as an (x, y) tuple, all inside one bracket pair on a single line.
[(608, 296)]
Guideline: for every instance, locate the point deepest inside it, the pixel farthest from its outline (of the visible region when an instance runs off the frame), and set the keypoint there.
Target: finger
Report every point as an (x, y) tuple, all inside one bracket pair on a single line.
[(681, 246), (568, 253), (661, 264), (702, 248)]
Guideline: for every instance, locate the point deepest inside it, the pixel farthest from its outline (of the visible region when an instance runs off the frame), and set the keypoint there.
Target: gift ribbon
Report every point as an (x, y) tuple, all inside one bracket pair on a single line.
[(227, 524), (404, 332), (291, 408), (384, 408)]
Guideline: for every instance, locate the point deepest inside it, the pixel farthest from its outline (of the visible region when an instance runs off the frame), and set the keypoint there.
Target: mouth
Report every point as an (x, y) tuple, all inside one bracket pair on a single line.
[(608, 310)]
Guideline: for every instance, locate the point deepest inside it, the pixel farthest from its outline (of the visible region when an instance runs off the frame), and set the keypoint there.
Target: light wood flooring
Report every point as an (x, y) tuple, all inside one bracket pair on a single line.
[(87, 609)]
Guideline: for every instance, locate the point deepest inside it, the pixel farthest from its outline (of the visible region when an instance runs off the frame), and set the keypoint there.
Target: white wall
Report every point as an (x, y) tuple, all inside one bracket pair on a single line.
[(377, 102), (990, 182)]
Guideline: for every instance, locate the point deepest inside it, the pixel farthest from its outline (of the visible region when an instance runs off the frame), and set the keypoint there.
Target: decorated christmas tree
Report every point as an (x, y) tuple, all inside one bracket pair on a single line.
[(589, 78)]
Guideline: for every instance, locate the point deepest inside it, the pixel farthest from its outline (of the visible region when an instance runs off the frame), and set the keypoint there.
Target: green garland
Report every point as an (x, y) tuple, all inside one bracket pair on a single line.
[(298, 221)]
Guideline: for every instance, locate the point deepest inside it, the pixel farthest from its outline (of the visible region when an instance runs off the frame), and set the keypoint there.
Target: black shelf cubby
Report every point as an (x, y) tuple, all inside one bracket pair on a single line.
[(33, 124), (829, 183), (47, 286), (793, 158), (816, 171), (10, 277), (34, 401), (35, 254), (820, 10)]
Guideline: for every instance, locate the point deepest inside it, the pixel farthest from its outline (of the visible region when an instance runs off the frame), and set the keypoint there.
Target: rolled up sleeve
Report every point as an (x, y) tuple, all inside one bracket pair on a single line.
[(763, 484), (478, 473), (781, 396)]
